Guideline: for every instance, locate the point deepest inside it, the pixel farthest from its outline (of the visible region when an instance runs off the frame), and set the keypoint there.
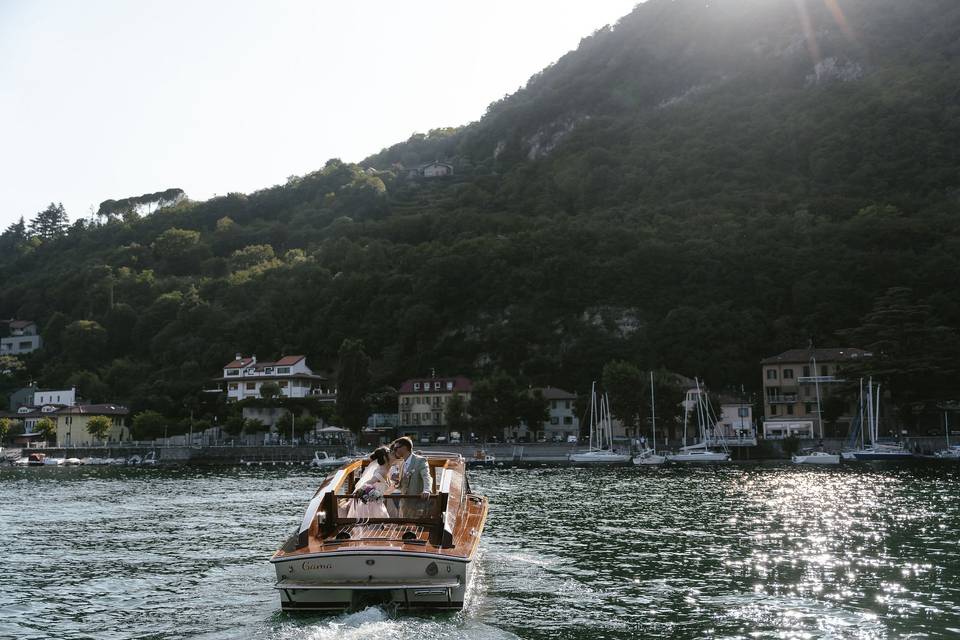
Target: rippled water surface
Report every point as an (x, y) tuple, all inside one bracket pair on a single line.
[(733, 552)]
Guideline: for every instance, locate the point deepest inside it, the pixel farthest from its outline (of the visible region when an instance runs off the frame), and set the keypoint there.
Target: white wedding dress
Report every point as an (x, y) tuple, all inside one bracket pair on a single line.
[(376, 476)]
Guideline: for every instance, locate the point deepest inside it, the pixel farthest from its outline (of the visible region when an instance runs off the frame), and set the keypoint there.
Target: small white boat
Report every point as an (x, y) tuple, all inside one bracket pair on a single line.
[(699, 452), (601, 435), (950, 453), (600, 456), (54, 462), (481, 459), (150, 458), (322, 459), (648, 457), (816, 457), (72, 461), (699, 455), (883, 452), (848, 456)]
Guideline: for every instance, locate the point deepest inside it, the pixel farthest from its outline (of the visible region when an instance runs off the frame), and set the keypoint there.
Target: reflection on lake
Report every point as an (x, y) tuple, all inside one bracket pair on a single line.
[(728, 552)]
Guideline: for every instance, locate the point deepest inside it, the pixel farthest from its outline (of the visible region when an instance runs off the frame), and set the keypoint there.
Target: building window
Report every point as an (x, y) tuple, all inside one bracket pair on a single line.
[(806, 371), (233, 386), (567, 419), (233, 372), (282, 384), (566, 404), (823, 370), (251, 386), (771, 374), (436, 418), (436, 386), (743, 412), (554, 420), (416, 386), (790, 409), (808, 408), (436, 401), (283, 369), (773, 409), (449, 386), (788, 374)]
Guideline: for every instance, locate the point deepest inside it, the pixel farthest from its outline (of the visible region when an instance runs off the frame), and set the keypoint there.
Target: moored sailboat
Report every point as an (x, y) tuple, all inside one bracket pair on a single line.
[(601, 450), (650, 457), (699, 452)]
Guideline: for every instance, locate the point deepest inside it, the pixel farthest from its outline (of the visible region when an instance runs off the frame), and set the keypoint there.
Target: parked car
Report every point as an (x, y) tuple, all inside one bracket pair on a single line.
[(571, 439)]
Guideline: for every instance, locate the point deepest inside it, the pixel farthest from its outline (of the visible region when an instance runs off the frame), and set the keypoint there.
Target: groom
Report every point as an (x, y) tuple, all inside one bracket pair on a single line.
[(414, 476)]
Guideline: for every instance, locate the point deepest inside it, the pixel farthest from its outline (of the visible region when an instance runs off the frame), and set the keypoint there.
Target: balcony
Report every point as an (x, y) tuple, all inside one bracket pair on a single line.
[(819, 379), (788, 398)]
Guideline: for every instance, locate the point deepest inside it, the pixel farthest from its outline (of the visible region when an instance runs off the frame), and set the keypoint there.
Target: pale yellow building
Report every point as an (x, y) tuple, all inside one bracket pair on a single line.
[(72, 424)]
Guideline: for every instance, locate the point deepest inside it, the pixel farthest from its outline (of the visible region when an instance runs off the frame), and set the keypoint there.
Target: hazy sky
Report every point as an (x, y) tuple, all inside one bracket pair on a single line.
[(107, 99)]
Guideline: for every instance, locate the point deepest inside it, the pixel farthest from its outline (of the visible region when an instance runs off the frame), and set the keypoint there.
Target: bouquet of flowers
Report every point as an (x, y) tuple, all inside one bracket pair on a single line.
[(367, 493)]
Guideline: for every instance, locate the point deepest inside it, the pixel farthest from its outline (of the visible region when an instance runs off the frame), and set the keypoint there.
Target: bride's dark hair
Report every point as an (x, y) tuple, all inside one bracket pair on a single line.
[(380, 454)]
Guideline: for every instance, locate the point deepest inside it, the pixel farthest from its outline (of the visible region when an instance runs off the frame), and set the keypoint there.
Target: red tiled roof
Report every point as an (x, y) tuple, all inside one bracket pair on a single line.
[(838, 354), (460, 383), (237, 364), (20, 324), (286, 361), (95, 410)]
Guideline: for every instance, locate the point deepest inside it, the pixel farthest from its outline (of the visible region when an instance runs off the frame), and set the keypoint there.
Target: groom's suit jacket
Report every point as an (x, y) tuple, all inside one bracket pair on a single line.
[(415, 476)]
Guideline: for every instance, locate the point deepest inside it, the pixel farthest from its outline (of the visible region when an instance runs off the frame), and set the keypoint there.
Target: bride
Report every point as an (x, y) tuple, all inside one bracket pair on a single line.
[(373, 485)]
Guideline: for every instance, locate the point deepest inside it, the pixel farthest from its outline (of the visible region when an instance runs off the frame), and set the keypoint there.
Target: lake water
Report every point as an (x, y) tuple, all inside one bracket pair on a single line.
[(732, 552)]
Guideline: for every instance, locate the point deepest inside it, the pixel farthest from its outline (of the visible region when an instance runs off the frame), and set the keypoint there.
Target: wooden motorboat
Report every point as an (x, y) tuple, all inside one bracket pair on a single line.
[(420, 558)]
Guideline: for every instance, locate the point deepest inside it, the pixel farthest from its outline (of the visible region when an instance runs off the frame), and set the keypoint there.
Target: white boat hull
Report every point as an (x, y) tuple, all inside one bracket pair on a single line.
[(699, 457), (337, 581), (649, 459), (600, 457), (817, 458)]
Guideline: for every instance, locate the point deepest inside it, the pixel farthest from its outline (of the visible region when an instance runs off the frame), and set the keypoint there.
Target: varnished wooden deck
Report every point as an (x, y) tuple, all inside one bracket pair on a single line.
[(389, 534)]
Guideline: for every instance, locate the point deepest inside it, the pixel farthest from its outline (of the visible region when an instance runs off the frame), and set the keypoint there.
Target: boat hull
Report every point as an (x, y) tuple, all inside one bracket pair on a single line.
[(826, 458), (650, 460), (702, 458), (883, 455), (339, 581), (610, 459)]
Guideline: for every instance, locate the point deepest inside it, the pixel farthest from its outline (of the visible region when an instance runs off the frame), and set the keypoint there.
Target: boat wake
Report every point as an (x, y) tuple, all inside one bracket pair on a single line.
[(375, 623)]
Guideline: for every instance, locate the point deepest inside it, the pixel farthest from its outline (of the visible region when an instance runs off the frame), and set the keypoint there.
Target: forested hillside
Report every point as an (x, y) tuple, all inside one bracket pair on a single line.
[(695, 188)]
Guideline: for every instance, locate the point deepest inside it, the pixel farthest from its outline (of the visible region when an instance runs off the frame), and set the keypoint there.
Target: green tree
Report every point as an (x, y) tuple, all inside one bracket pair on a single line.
[(5, 424), (533, 410), (494, 404), (50, 223), (270, 390), (47, 427), (455, 415), (99, 427), (353, 384), (915, 356), (85, 343), (233, 425), (626, 386), (148, 425)]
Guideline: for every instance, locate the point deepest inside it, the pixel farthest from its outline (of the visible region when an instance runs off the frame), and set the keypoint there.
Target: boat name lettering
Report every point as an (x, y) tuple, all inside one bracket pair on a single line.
[(313, 566)]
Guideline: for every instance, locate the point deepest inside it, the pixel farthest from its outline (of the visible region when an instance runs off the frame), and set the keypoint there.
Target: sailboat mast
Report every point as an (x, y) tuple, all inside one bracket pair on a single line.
[(816, 384), (593, 411), (862, 436), (946, 427), (876, 418), (653, 417), (609, 426), (870, 409)]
